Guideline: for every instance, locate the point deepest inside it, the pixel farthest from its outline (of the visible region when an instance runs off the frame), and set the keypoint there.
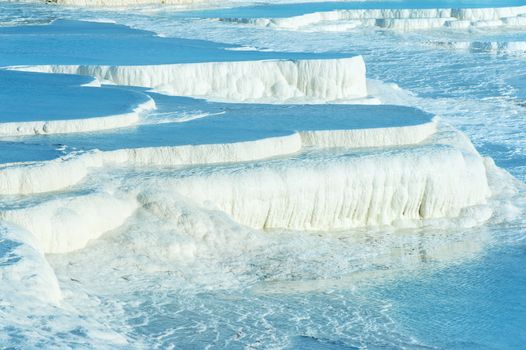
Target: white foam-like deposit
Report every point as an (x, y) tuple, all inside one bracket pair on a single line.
[(53, 175), (272, 80), (24, 271), (76, 125), (397, 19), (65, 224)]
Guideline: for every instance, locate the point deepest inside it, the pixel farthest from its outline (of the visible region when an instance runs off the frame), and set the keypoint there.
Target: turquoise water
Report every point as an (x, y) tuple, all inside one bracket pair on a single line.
[(491, 290), (30, 97), (74, 42)]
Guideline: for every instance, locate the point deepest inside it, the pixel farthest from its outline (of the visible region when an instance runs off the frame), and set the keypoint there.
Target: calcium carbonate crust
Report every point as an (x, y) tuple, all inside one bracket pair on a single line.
[(438, 177), (396, 19), (67, 126), (272, 80), (57, 174)]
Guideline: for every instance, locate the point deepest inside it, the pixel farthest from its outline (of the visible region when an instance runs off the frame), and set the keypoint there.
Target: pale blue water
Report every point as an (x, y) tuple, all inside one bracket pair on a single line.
[(491, 291), (429, 288), (74, 42), (30, 97)]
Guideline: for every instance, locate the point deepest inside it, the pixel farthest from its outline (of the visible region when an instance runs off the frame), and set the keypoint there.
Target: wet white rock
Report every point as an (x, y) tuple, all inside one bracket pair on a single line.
[(272, 80), (395, 19)]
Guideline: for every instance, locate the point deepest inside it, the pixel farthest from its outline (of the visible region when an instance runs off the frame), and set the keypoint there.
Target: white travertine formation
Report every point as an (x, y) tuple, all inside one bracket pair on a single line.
[(457, 24), (374, 137), (329, 191), (65, 224), (487, 14), (75, 125), (397, 19), (340, 193), (37, 177), (367, 17), (514, 21), (272, 80), (57, 174), (213, 153), (24, 270)]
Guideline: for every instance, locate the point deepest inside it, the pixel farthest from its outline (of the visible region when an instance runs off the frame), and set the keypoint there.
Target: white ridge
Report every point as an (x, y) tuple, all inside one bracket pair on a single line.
[(272, 80), (76, 125), (397, 19), (67, 224), (53, 175), (329, 194)]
